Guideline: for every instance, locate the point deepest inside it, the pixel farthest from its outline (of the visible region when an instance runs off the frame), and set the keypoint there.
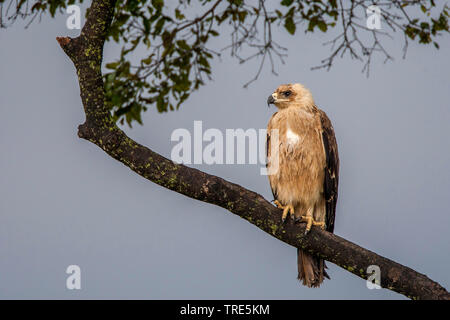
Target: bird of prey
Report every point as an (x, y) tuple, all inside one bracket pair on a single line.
[(305, 181)]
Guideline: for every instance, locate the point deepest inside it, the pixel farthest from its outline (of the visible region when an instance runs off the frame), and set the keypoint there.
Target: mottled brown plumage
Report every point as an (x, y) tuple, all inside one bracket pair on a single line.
[(303, 167)]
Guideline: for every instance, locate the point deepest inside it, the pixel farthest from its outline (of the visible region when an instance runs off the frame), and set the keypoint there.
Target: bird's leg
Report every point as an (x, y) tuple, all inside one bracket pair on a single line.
[(311, 222), (286, 209)]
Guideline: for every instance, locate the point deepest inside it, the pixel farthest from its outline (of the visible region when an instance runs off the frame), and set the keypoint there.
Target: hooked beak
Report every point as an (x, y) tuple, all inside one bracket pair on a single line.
[(270, 100)]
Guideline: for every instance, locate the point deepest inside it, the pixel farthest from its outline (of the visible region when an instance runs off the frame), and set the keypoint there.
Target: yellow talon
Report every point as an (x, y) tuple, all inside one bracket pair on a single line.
[(287, 209), (278, 204), (310, 222)]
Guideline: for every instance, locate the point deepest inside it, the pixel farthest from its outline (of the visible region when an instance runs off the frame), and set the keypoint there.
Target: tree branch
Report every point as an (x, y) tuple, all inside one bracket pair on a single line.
[(86, 52)]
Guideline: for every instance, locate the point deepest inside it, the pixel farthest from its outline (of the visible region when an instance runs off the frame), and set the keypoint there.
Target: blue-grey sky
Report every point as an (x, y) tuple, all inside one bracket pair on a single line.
[(63, 201)]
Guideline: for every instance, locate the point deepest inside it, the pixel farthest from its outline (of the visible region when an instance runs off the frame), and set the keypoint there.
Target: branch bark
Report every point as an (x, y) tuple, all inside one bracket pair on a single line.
[(86, 52)]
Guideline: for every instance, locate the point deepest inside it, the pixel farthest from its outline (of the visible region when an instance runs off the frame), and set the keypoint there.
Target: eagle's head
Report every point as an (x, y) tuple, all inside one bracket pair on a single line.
[(291, 95)]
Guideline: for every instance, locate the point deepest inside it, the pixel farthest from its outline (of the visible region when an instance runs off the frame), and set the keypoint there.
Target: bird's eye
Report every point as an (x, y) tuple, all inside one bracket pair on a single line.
[(287, 93)]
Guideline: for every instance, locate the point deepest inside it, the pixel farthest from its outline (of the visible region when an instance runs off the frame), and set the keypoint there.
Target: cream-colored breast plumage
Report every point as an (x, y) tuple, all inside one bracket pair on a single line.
[(300, 175), (303, 168)]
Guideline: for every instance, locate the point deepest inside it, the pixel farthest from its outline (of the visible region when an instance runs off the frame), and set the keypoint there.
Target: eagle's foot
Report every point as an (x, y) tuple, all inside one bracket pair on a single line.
[(287, 209), (311, 222), (278, 204)]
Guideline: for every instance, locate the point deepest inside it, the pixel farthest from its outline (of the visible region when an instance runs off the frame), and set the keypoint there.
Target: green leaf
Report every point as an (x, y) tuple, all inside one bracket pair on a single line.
[(322, 26), (290, 25), (112, 65), (178, 14), (286, 3), (158, 4), (147, 60)]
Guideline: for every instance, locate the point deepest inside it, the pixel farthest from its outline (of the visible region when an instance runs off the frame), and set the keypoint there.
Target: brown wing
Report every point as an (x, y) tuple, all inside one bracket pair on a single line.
[(331, 180), (274, 191)]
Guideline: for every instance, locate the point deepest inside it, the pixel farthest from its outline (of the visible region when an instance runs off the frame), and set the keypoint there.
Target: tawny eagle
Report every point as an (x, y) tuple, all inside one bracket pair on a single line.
[(303, 168)]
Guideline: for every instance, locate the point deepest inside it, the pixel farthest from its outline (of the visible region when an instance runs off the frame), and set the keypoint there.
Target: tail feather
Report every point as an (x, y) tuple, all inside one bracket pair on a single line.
[(311, 270)]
